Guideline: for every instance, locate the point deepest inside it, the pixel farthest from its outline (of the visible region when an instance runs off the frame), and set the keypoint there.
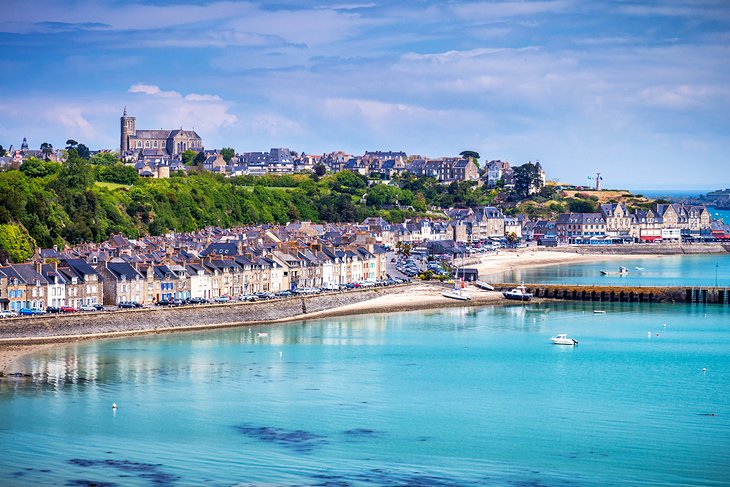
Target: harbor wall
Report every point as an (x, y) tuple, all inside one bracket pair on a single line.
[(56, 326)]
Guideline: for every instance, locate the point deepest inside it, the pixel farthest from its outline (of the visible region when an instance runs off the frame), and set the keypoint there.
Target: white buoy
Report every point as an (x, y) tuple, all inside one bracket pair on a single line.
[(665, 325), (648, 333), (704, 369), (281, 354), (114, 405)]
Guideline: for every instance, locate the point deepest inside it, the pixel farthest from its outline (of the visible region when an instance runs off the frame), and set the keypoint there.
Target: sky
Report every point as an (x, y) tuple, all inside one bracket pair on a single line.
[(636, 90)]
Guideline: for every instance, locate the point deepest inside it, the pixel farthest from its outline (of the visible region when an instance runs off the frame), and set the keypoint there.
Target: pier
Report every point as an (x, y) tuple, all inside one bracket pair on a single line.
[(627, 294)]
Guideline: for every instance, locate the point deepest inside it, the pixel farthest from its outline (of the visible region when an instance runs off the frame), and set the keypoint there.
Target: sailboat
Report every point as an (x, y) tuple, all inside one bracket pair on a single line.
[(458, 292)]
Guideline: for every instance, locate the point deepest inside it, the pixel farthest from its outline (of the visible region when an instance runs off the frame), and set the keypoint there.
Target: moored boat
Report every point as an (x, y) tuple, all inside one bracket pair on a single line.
[(456, 294), (518, 294), (599, 311), (620, 272), (563, 339), (484, 285)]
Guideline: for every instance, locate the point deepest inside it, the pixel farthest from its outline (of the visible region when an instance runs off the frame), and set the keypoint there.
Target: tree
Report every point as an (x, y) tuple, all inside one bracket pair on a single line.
[(2, 151), (46, 150), (71, 144), (469, 154), (527, 178), (199, 159), (104, 159), (36, 168), (188, 157), (16, 242), (320, 170), (581, 206), (228, 153), (83, 151)]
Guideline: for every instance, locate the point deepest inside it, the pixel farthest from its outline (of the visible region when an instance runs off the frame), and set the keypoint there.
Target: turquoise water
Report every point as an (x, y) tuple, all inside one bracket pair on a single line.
[(671, 270), (452, 397), (716, 214)]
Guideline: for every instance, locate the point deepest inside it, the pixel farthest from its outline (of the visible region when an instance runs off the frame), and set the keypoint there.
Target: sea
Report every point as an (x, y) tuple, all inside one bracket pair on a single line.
[(445, 397)]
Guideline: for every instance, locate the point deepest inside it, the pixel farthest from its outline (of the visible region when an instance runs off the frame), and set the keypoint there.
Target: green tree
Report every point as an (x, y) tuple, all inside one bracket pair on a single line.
[(228, 153), (199, 159), (581, 206), (470, 154), (71, 144), (526, 178), (83, 151), (76, 174), (188, 157), (2, 151), (104, 159), (16, 242), (320, 170), (36, 168), (46, 150)]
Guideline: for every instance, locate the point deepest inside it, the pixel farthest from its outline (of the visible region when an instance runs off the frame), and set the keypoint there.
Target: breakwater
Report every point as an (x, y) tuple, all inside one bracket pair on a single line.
[(643, 249), (627, 294), (57, 327)]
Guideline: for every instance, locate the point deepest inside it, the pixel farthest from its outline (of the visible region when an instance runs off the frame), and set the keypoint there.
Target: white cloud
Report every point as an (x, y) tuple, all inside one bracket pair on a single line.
[(153, 90)]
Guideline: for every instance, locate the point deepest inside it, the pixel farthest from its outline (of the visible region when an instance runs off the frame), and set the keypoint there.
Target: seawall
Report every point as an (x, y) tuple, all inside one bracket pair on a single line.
[(643, 249), (61, 327)]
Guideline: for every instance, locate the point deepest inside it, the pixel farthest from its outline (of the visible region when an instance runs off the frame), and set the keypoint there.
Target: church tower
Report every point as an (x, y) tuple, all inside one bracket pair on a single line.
[(128, 127)]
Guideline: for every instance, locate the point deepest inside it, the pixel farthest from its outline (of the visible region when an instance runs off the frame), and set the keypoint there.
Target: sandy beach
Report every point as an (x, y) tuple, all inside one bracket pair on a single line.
[(420, 295)]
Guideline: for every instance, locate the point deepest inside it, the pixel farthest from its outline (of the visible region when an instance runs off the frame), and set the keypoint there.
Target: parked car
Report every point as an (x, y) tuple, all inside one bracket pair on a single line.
[(265, 295), (128, 304), (87, 307), (168, 302), (198, 301), (31, 311), (283, 294), (68, 309), (222, 299), (98, 307), (8, 314), (53, 309)]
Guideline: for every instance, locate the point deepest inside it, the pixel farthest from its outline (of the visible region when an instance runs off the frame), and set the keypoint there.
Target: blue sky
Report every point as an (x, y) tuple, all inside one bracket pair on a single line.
[(638, 90)]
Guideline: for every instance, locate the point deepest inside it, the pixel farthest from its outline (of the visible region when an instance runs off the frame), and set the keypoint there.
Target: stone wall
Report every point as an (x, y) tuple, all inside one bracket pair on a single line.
[(186, 317)]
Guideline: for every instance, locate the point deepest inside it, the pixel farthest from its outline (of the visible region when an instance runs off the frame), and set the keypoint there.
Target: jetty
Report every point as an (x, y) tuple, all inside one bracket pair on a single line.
[(626, 294)]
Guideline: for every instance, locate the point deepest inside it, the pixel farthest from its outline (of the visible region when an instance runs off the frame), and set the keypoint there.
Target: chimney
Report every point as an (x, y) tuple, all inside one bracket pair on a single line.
[(38, 266)]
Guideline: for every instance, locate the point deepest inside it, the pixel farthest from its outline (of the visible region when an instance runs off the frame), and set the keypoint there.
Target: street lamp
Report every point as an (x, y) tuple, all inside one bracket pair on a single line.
[(716, 266)]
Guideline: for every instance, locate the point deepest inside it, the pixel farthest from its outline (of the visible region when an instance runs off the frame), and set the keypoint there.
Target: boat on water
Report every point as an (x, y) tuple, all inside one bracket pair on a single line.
[(599, 311), (484, 285), (459, 294), (537, 310), (639, 268), (518, 294), (563, 339), (622, 271)]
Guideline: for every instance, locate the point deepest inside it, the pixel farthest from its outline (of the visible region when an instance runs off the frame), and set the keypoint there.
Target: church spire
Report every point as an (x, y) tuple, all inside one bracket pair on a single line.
[(125, 111)]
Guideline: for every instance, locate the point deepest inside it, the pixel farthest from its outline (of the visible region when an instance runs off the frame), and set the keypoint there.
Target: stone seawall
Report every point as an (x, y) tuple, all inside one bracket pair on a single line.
[(53, 328), (642, 249)]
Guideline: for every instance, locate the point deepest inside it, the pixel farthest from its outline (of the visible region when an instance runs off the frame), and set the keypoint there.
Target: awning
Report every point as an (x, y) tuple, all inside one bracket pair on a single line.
[(650, 238)]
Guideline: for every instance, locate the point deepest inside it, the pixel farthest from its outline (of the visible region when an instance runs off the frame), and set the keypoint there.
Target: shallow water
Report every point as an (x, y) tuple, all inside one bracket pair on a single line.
[(669, 270), (449, 397)]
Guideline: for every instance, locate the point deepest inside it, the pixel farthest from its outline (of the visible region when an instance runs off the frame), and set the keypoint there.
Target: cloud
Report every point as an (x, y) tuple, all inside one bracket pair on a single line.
[(170, 109), (153, 91), (492, 10)]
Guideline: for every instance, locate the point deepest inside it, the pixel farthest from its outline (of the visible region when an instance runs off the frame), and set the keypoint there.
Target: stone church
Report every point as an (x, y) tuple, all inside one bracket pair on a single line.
[(170, 142)]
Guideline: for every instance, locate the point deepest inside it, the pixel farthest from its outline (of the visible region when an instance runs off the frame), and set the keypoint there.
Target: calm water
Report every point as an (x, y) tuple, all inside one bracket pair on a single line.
[(452, 397), (672, 270)]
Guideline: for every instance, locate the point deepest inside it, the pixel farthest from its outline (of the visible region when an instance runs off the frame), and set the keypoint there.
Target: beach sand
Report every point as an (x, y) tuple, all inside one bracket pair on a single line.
[(420, 295)]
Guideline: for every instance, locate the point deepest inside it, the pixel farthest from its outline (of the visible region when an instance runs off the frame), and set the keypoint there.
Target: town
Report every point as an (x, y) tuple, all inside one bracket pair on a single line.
[(267, 260)]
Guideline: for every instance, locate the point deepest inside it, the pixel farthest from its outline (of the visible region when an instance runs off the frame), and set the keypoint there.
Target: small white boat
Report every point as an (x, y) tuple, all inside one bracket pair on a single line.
[(563, 339), (537, 310), (599, 311), (484, 285), (456, 294), (620, 272), (639, 268), (518, 294), (262, 334)]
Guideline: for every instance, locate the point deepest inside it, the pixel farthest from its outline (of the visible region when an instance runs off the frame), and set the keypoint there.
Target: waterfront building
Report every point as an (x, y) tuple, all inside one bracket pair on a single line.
[(580, 227)]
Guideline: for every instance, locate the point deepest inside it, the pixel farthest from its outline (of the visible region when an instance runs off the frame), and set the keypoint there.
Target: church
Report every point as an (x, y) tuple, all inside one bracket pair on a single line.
[(168, 142)]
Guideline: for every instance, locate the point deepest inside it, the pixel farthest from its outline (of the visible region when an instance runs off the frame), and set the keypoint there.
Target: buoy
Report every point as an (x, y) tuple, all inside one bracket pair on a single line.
[(114, 405), (704, 369), (648, 333), (665, 325), (281, 354)]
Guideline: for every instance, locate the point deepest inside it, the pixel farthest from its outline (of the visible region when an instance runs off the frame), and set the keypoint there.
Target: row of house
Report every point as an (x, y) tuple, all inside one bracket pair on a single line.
[(663, 222), (221, 269)]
